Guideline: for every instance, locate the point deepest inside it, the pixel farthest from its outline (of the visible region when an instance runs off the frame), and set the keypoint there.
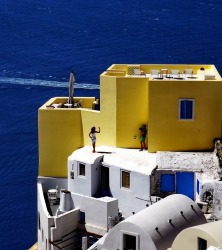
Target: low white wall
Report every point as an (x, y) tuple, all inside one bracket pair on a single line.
[(64, 224), (96, 211), (46, 221)]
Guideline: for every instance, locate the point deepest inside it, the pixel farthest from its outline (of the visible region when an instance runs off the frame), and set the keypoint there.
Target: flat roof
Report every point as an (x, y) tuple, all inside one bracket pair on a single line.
[(187, 72), (127, 159), (205, 163), (144, 162)]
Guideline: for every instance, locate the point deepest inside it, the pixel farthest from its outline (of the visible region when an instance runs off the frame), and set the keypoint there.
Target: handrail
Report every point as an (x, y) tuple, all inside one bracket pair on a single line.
[(51, 242), (74, 237), (68, 234)]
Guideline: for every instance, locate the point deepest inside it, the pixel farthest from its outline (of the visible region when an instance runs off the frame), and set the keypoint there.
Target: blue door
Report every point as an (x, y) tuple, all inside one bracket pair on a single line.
[(185, 184), (167, 183)]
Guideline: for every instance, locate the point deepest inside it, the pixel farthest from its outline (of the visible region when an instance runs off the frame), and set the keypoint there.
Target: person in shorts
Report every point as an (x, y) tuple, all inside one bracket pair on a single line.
[(92, 135), (143, 132)]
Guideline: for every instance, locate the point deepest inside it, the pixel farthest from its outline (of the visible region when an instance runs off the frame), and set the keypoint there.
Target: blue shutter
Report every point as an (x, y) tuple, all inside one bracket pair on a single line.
[(167, 183), (189, 109), (183, 110), (186, 109), (185, 184)]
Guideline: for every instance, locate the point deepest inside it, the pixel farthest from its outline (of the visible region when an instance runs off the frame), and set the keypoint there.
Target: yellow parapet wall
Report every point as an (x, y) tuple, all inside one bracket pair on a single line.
[(60, 133)]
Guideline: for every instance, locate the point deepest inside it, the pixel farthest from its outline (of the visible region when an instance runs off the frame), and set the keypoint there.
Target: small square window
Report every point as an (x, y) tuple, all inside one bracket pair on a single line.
[(82, 217), (186, 109), (82, 169), (125, 179), (72, 174), (130, 241), (39, 221)]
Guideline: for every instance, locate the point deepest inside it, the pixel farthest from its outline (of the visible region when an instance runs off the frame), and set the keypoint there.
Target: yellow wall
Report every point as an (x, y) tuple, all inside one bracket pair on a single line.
[(108, 110), (132, 110), (90, 119), (60, 133), (168, 133), (119, 117)]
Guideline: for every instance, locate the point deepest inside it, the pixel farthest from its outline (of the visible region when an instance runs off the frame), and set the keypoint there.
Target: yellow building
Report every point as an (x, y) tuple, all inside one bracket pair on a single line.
[(180, 104)]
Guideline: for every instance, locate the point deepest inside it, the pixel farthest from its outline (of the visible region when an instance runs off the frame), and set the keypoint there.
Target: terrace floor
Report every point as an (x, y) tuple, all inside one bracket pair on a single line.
[(165, 74)]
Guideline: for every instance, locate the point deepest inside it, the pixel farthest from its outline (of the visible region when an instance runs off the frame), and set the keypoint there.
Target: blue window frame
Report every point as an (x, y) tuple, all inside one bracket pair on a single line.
[(186, 109)]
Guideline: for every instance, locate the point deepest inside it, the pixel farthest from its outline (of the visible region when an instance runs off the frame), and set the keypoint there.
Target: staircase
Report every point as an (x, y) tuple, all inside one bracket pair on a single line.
[(73, 240)]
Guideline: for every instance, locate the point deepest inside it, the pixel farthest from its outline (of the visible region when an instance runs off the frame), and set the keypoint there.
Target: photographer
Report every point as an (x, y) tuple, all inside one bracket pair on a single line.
[(143, 132)]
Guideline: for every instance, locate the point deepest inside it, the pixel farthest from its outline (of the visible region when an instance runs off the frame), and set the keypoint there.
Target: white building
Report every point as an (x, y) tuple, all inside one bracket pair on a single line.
[(106, 191), (154, 227)]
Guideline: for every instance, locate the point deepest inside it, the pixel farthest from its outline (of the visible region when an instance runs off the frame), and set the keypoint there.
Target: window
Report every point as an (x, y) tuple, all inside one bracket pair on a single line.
[(125, 179), (42, 235), (167, 183), (72, 174), (82, 169), (39, 221), (82, 217), (186, 109), (198, 186), (130, 241), (202, 244)]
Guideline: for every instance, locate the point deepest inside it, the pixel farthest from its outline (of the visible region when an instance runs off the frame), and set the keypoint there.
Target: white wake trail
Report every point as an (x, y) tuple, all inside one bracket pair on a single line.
[(37, 82)]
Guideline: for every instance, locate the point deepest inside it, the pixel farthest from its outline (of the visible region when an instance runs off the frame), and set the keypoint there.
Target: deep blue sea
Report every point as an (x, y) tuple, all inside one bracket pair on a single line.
[(41, 41)]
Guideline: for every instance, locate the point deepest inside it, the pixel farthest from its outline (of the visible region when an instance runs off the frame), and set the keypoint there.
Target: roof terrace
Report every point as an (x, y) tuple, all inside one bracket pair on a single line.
[(164, 71), (90, 103)]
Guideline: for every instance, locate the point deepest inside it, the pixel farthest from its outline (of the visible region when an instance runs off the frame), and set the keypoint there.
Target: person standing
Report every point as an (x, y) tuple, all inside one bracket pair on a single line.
[(143, 132), (92, 135)]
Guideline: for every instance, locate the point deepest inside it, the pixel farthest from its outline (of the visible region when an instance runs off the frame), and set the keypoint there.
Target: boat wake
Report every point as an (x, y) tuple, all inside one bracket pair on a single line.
[(38, 82)]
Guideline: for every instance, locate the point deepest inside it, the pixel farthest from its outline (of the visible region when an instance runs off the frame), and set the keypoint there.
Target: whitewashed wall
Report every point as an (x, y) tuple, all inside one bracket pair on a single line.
[(96, 211), (88, 184), (46, 221), (133, 199)]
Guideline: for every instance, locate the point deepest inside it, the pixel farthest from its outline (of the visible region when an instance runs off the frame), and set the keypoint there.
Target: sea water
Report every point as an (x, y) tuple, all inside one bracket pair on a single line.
[(41, 41)]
